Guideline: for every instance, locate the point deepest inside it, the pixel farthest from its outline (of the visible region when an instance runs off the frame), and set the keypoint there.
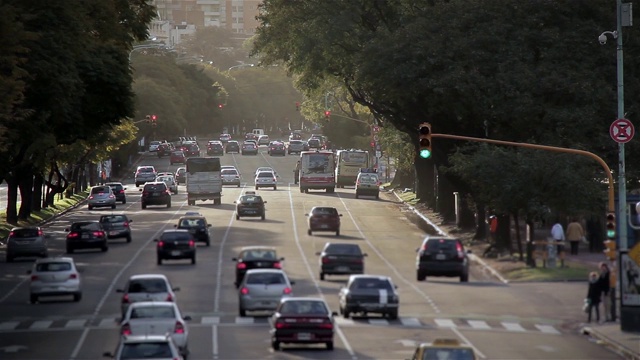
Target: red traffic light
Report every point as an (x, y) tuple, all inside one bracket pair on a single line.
[(220, 106), (154, 118), (327, 114)]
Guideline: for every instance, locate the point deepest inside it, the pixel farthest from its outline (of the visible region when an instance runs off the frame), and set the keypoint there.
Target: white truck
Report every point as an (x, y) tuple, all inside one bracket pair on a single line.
[(204, 181)]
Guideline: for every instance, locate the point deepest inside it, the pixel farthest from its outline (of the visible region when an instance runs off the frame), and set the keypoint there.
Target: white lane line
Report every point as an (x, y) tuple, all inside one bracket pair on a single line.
[(216, 299), (116, 278), (410, 322), (107, 323), (479, 324), (389, 264), (547, 329), (214, 341), (244, 320), (480, 354), (14, 289), (210, 320), (382, 322), (75, 323), (344, 322), (511, 326), (340, 333), (445, 323), (40, 324), (9, 325)]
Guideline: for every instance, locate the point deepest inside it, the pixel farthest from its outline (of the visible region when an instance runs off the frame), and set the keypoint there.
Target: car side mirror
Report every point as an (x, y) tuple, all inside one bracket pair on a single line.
[(281, 259), (140, 190), (469, 252), (365, 254), (175, 226), (119, 290), (264, 202), (130, 220), (186, 318), (124, 188), (177, 288), (306, 214), (334, 313), (28, 272), (67, 229), (395, 286), (292, 282), (417, 249), (208, 225), (47, 236), (155, 240), (235, 202), (339, 214), (108, 354)]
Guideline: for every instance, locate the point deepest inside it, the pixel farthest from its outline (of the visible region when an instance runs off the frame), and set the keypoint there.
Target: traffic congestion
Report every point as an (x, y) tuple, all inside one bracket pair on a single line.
[(258, 264)]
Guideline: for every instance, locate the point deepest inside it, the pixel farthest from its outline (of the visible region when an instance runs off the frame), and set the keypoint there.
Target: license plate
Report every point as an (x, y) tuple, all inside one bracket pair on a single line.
[(156, 194), (85, 236), (324, 226), (176, 253), (304, 336), (114, 232), (440, 257), (250, 212), (266, 303), (342, 268)]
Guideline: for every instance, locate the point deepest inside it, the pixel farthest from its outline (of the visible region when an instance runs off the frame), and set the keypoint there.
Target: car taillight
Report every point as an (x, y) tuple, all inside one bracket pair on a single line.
[(274, 179), (121, 191), (125, 329), (459, 250), (179, 328), (358, 182), (326, 324), (98, 233), (160, 243), (244, 291), (73, 276), (40, 233), (34, 277), (325, 260), (169, 298), (286, 291), (72, 235), (281, 324), (11, 233), (241, 265), (125, 299), (111, 196), (357, 261), (277, 265), (91, 197), (424, 247), (125, 224), (192, 243), (145, 193)]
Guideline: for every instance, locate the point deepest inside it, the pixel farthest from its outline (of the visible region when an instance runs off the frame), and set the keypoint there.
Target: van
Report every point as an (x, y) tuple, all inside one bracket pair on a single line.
[(258, 131)]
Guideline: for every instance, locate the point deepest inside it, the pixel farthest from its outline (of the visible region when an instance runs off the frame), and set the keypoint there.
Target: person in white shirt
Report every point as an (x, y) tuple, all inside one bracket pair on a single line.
[(557, 233)]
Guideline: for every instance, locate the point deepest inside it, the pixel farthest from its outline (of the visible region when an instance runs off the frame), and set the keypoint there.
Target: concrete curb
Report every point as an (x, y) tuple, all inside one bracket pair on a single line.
[(615, 346), (472, 257)]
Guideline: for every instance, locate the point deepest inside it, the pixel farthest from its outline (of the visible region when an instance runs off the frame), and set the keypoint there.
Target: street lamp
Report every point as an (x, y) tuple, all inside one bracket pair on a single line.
[(240, 66), (141, 47)]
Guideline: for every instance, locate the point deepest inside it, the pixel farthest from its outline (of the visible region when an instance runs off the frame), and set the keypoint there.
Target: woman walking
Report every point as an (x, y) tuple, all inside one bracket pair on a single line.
[(593, 295)]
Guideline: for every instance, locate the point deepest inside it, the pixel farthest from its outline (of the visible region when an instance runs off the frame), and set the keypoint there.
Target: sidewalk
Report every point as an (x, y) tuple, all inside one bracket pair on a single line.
[(608, 334)]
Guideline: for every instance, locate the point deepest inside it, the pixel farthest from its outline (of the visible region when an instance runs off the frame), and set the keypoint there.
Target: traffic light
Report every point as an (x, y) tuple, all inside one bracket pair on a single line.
[(148, 118), (154, 118), (611, 225), (220, 106), (327, 114), (610, 249), (425, 140)]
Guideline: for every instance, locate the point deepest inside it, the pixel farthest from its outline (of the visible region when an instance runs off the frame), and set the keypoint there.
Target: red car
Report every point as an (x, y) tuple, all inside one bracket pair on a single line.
[(177, 157), (322, 218), (302, 320)]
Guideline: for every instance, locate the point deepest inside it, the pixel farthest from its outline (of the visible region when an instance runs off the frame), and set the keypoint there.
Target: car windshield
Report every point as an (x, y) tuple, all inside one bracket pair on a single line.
[(250, 255), (53, 266), (371, 283), (441, 245), (145, 169), (155, 187), (146, 350), (250, 199), (265, 278), (100, 190), (147, 286), (113, 218), (192, 223), (343, 249), (181, 171), (24, 233), (85, 226), (369, 178), (303, 307), (229, 172), (153, 312), (176, 236), (448, 354), (324, 211), (265, 174), (115, 186)]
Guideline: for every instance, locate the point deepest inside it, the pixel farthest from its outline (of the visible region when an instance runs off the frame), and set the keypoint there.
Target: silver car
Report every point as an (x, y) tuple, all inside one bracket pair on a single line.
[(266, 179), (145, 174), (230, 177), (146, 287), (295, 146), (170, 181), (158, 347), (262, 290), (26, 241), (54, 277), (101, 196), (157, 318)]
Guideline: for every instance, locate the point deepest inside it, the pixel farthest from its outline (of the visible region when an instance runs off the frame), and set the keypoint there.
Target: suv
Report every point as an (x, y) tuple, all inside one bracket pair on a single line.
[(341, 259), (181, 175), (277, 148), (367, 183), (26, 241), (146, 287), (250, 204), (101, 196), (118, 190), (161, 347), (155, 193), (442, 256), (116, 226), (145, 174), (197, 226)]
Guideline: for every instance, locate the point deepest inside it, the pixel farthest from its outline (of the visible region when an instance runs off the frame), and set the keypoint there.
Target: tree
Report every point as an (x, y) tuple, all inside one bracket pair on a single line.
[(218, 45)]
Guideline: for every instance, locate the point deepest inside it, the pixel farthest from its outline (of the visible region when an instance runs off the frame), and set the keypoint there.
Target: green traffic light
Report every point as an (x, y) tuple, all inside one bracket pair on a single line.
[(611, 234), (425, 153)]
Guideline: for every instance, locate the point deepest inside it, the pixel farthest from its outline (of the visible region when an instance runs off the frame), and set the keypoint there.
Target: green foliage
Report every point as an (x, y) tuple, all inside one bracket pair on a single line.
[(397, 145), (218, 45)]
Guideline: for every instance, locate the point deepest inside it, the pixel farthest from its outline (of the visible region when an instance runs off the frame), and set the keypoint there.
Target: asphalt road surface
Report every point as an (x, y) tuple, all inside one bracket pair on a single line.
[(522, 321)]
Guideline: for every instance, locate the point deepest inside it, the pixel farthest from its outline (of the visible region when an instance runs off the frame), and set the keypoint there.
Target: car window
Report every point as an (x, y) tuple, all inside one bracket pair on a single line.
[(176, 236), (147, 286), (100, 190), (368, 177), (182, 171), (441, 245), (265, 278), (153, 312), (192, 223), (265, 174), (229, 172), (343, 249), (325, 211), (85, 226), (250, 199), (448, 354), (300, 307), (371, 283), (258, 255), (155, 187), (146, 169), (295, 142), (116, 187), (178, 153), (24, 233), (53, 266), (113, 218), (146, 350)]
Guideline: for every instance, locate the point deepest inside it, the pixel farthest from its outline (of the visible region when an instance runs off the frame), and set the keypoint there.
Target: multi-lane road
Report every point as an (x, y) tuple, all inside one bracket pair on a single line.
[(514, 321)]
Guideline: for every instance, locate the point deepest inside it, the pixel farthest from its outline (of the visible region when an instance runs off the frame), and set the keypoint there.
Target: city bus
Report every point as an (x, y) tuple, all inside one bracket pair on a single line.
[(349, 163), (317, 171)]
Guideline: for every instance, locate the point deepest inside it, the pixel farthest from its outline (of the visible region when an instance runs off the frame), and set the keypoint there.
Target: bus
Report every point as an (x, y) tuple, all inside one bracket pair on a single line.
[(317, 171), (349, 164), (204, 181)]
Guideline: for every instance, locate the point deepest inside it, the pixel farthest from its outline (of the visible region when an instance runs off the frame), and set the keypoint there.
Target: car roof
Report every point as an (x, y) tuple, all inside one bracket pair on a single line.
[(113, 183), (25, 228), (257, 247), (367, 276), (54, 259), (192, 217), (439, 237), (145, 338), (176, 231), (265, 271), (148, 276), (309, 298), (152, 304)]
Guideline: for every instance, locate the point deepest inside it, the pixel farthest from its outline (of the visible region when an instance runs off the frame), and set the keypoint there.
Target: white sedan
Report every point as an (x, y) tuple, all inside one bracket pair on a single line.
[(170, 181), (54, 276), (157, 318), (265, 168), (266, 179)]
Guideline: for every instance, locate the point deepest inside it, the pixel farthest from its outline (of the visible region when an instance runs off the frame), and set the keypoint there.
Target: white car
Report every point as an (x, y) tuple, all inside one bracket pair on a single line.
[(230, 177), (146, 287), (170, 181), (263, 140), (153, 146), (266, 179), (157, 318), (265, 168), (55, 276), (146, 347), (164, 173)]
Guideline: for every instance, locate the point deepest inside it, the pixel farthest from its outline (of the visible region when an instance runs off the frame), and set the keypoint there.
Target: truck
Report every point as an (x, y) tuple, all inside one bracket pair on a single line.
[(204, 181)]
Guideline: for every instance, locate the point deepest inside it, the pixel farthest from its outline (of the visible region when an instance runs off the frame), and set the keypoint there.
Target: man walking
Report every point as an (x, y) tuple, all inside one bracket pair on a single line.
[(557, 233), (575, 234), (296, 172)]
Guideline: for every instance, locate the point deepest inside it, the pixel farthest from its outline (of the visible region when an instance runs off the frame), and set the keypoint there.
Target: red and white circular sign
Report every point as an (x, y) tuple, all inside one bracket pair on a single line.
[(622, 131)]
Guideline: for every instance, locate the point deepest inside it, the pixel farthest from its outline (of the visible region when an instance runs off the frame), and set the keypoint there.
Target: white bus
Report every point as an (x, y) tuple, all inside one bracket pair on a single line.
[(317, 171), (349, 164)]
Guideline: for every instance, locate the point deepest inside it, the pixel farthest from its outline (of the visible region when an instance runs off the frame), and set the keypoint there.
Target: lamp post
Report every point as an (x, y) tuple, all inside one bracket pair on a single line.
[(141, 47), (240, 66)]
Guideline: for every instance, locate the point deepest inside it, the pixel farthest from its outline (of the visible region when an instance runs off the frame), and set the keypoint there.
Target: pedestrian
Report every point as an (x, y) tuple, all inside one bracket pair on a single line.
[(575, 234), (493, 227), (557, 233), (605, 286), (296, 172), (593, 296)]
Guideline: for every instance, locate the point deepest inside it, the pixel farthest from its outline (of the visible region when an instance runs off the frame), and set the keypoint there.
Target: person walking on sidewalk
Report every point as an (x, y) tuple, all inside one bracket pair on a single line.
[(605, 287), (575, 234), (557, 233), (296, 172), (593, 296)]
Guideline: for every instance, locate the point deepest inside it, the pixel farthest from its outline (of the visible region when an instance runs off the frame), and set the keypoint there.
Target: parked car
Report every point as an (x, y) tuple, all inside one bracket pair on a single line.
[(250, 204), (155, 193), (181, 175), (161, 347), (146, 287), (442, 256), (262, 290), (255, 257), (27, 241), (144, 174), (101, 196), (367, 294), (157, 318), (116, 226), (86, 235), (232, 147), (230, 177), (118, 190), (341, 259), (175, 244), (170, 181), (56, 276), (302, 320), (322, 218), (197, 226), (177, 157)]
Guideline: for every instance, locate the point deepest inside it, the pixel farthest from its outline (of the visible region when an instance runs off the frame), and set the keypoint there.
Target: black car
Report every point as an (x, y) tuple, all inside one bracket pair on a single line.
[(197, 226), (175, 244), (341, 259), (249, 147), (232, 147), (251, 205), (116, 226), (155, 193), (255, 257), (442, 256), (118, 190), (191, 150), (165, 149), (86, 235), (302, 320), (366, 294), (215, 148), (181, 175), (277, 149)]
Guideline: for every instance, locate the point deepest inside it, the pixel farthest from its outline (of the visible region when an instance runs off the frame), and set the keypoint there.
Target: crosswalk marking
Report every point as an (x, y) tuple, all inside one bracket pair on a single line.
[(378, 322), (413, 322), (210, 320), (107, 323), (511, 326), (343, 322), (9, 325), (244, 320), (479, 324), (75, 323), (445, 323), (41, 324), (547, 329)]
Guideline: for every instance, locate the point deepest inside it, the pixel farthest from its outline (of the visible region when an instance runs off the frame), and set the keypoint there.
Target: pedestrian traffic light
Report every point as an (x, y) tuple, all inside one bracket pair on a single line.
[(611, 225), (425, 140), (610, 249)]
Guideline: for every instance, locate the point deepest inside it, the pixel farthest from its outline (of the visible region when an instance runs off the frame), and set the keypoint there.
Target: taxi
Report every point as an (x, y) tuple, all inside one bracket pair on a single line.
[(368, 183), (444, 349)]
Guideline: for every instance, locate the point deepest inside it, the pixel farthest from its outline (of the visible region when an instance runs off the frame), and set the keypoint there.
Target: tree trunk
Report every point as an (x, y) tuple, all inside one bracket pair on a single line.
[(503, 235), (403, 179), (481, 222), (37, 200), (445, 199), (25, 184), (12, 199), (516, 222), (427, 181)]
